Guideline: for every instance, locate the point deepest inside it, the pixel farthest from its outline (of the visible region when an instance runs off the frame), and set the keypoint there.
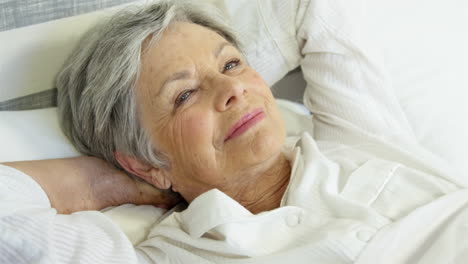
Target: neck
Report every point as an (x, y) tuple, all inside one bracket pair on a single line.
[(267, 188)]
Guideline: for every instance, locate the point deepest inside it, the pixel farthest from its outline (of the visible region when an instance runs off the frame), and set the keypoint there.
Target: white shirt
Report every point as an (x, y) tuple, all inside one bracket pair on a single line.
[(360, 188)]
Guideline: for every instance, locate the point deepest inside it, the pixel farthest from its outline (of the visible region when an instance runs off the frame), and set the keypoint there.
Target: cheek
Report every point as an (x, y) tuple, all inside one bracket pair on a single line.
[(258, 85), (196, 126), (255, 79), (276, 130), (192, 133)]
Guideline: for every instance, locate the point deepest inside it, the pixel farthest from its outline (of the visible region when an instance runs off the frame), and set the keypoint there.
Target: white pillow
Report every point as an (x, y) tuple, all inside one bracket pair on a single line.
[(425, 48), (135, 220), (32, 135)]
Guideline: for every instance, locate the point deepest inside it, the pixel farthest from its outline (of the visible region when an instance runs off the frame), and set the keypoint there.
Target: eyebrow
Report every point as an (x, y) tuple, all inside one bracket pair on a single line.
[(185, 74), (220, 48)]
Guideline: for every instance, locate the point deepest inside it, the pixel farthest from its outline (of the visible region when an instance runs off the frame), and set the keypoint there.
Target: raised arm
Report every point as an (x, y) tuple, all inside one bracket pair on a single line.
[(31, 231), (89, 183), (348, 89)]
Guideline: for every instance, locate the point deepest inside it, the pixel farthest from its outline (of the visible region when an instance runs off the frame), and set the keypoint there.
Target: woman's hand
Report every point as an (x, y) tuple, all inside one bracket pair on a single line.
[(89, 183)]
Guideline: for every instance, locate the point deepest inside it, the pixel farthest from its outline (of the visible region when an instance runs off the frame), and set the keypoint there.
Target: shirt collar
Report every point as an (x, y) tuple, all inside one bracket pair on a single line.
[(214, 207), (209, 210), (293, 153)]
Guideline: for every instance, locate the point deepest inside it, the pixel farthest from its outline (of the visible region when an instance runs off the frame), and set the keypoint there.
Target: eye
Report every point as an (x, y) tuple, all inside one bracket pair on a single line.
[(183, 97), (231, 64)]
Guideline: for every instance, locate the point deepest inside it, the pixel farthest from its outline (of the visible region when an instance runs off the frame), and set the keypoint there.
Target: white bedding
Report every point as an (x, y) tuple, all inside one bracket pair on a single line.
[(424, 44)]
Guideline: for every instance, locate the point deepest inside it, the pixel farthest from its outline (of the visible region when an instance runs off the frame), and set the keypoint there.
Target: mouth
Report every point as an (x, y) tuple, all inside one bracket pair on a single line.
[(245, 123)]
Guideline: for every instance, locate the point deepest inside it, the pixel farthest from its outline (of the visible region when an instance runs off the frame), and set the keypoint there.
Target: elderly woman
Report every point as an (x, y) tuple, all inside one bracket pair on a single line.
[(171, 95)]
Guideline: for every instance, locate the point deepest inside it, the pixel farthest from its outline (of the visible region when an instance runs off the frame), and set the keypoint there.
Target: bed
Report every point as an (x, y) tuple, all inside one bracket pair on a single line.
[(424, 46)]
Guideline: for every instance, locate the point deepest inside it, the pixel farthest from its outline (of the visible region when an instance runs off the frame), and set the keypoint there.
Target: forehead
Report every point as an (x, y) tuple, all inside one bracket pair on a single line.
[(179, 40), (180, 46)]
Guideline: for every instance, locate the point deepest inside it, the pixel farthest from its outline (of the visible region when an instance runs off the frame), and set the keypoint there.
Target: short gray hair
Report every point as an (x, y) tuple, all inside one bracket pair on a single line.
[(97, 102)]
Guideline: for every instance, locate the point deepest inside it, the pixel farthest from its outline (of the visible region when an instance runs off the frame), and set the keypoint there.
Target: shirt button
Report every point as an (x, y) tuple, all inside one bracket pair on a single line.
[(292, 220), (365, 235)]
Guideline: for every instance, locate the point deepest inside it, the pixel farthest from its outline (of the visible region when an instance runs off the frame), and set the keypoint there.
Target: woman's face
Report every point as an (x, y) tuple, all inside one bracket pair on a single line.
[(209, 112)]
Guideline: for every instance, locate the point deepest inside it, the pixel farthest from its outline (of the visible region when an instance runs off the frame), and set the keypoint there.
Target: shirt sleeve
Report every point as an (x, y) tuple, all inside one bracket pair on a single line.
[(347, 85), (32, 232)]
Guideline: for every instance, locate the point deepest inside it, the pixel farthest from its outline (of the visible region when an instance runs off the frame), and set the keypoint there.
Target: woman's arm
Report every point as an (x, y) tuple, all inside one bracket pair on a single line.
[(348, 89), (31, 231), (89, 183)]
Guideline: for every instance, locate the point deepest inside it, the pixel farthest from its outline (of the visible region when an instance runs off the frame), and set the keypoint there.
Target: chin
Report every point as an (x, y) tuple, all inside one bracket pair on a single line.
[(267, 145)]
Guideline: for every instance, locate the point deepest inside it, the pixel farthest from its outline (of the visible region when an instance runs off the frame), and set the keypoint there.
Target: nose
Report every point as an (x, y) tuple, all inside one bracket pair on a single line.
[(229, 92)]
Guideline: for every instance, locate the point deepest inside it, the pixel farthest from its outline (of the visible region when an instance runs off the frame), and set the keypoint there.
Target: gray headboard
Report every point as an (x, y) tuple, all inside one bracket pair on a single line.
[(20, 13)]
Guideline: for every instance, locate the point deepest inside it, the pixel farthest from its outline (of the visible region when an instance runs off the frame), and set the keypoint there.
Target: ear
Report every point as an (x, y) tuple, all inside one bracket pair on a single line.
[(150, 174)]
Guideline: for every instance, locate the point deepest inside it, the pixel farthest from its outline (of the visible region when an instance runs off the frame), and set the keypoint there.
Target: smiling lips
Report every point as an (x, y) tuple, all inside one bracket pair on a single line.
[(246, 122)]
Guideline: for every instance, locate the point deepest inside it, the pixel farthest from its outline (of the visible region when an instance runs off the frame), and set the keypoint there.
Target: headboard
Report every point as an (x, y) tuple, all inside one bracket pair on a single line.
[(14, 13)]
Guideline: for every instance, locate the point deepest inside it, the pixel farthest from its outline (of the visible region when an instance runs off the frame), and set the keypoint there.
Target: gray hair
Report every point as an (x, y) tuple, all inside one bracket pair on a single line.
[(97, 102)]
